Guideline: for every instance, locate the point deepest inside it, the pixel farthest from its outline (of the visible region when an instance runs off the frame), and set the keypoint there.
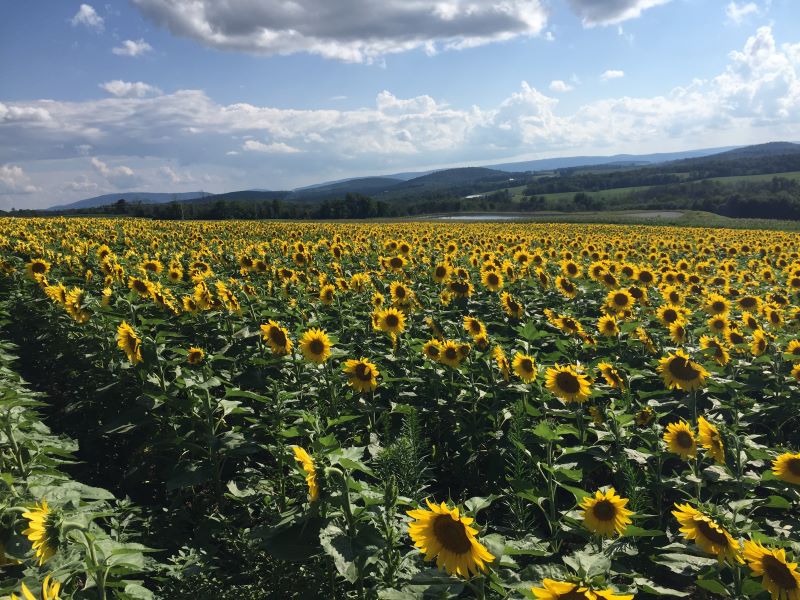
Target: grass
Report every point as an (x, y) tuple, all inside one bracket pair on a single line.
[(763, 177)]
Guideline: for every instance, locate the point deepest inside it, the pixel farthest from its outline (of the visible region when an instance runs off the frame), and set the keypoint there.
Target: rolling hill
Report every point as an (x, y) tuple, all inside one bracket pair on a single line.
[(143, 197)]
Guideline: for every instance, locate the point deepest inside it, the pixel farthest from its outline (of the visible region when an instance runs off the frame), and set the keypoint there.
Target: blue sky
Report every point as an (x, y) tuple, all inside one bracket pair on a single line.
[(180, 95)]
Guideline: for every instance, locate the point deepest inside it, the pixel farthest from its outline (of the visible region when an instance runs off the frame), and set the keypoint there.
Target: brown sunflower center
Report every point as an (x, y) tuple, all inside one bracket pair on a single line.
[(670, 316), (451, 534), (459, 287), (684, 440), (277, 336), (567, 287), (363, 372), (712, 533), (526, 364), (682, 369), (441, 272), (140, 286), (568, 382), (400, 292), (475, 327), (573, 594), (747, 302), (514, 307), (493, 279), (392, 320), (718, 306), (316, 347), (793, 464), (433, 351), (451, 353), (621, 299), (605, 510), (779, 573), (38, 267), (396, 262)]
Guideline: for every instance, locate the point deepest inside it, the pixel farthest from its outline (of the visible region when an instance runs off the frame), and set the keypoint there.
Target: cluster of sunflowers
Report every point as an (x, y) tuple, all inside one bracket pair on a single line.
[(616, 405)]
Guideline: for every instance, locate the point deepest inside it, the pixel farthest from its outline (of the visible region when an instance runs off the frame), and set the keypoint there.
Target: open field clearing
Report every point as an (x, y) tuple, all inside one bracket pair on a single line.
[(398, 410)]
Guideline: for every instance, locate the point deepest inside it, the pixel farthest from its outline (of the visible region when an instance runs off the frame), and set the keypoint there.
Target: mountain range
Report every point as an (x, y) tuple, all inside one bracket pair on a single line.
[(497, 175)]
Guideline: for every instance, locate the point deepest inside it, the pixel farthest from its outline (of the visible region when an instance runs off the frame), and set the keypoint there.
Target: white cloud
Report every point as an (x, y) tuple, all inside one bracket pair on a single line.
[(81, 184), (560, 86), (549, 36), (610, 12), (120, 177), (174, 176), (756, 97), (132, 48), (13, 180), (612, 74), (129, 89), (737, 13), (272, 148), (346, 30), (87, 16)]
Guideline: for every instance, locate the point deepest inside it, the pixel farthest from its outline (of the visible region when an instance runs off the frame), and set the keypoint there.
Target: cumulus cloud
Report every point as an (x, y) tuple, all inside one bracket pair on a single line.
[(612, 74), (81, 184), (13, 180), (120, 177), (132, 48), (87, 16), (272, 148), (737, 13), (610, 12), (756, 96), (129, 89), (346, 30), (174, 176), (559, 86)]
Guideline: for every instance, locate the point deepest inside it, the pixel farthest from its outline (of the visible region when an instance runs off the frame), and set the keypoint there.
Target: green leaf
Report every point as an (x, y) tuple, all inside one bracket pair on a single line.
[(337, 545), (296, 541), (634, 531), (713, 586)]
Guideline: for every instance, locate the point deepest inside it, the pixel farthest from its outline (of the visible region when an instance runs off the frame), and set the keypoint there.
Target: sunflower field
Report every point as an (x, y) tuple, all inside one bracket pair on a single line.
[(215, 410)]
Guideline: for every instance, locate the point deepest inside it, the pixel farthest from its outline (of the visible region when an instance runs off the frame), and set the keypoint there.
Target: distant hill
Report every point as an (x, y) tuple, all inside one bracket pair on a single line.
[(758, 150), (143, 197), (567, 162), (360, 185), (242, 196)]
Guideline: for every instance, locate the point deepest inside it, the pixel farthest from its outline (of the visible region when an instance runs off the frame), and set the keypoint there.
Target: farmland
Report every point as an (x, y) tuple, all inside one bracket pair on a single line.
[(250, 409)]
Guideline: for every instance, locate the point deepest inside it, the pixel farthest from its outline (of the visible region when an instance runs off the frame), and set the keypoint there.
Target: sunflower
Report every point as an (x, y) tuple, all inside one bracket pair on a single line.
[(718, 323), (677, 332), (564, 590), (442, 533), (566, 287), (619, 300), (492, 280), (706, 533), (362, 375), (524, 366), (50, 590), (502, 362), (644, 417), (450, 354), (401, 294), (711, 440), (307, 463), (43, 530), (793, 349), (474, 327), (611, 375), (787, 467), (607, 326), (326, 293), (715, 304), (511, 306), (678, 371), (679, 438), (669, 313), (780, 577), (316, 346), (605, 513), (195, 356), (719, 351), (432, 349), (37, 268), (143, 287), (129, 342), (277, 338), (441, 272), (567, 383), (391, 320), (759, 344)]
